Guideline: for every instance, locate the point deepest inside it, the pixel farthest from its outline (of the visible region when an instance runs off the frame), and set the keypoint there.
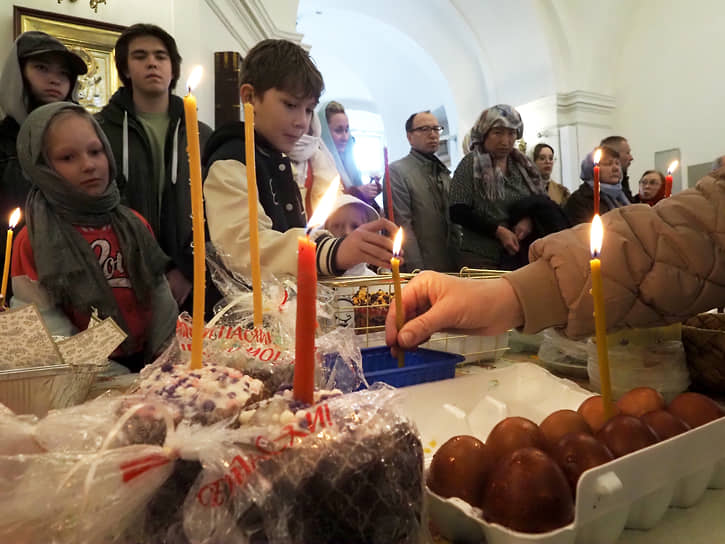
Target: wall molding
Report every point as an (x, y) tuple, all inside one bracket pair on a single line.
[(585, 101), (249, 22)]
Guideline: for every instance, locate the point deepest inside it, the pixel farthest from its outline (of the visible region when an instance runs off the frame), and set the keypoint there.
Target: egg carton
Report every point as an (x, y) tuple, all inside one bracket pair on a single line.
[(631, 492)]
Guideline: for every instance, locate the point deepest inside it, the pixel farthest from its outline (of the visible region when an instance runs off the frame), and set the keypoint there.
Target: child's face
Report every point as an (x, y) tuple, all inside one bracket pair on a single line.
[(340, 131), (76, 153), (282, 118), (48, 77), (345, 220)]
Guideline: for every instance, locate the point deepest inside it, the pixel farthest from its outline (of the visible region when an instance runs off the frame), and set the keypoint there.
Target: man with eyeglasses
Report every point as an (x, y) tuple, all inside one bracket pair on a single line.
[(419, 185)]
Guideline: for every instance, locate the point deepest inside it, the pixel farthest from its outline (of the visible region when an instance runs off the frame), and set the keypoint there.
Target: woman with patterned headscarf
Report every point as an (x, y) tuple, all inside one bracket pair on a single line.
[(497, 195)]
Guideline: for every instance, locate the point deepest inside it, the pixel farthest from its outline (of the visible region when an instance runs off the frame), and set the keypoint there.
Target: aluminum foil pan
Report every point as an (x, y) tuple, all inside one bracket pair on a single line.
[(40, 389)]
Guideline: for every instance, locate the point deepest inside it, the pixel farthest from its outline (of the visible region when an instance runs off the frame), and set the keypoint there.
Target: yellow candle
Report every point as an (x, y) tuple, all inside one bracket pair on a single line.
[(14, 218), (253, 217), (399, 312), (197, 219), (600, 318)]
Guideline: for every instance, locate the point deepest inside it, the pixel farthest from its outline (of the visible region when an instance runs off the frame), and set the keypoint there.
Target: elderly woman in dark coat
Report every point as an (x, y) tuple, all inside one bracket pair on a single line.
[(497, 196)]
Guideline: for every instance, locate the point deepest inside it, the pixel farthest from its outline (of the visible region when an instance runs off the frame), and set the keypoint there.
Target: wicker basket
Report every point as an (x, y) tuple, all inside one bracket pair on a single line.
[(704, 340)]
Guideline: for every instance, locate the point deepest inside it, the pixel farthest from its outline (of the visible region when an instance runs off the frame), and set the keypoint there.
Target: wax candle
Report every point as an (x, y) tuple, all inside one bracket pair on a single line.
[(388, 189), (252, 202), (600, 318), (304, 378), (14, 218), (597, 158), (399, 311), (197, 219), (668, 179)]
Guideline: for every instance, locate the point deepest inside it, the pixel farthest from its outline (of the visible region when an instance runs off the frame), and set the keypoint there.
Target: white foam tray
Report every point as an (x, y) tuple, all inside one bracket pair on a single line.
[(633, 491)]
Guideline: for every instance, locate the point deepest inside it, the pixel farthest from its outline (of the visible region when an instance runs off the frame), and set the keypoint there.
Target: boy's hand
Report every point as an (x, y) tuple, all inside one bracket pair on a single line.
[(437, 302), (366, 245), (180, 286)]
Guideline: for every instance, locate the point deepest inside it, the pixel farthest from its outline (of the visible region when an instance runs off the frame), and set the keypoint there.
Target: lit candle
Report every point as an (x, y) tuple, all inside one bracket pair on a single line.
[(668, 179), (252, 200), (197, 218), (597, 158), (14, 218), (600, 318), (304, 377), (399, 312), (388, 189)]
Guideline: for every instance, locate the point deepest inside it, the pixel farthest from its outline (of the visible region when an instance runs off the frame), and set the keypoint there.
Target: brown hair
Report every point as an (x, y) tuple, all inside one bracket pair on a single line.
[(332, 108), (143, 29), (282, 65), (539, 147)]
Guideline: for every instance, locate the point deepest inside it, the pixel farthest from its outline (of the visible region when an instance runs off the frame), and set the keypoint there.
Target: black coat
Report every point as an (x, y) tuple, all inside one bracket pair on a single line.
[(579, 208)]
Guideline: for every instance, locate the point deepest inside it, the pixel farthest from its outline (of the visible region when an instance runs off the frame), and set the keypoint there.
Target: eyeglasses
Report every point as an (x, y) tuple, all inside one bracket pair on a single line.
[(427, 129), (649, 182)]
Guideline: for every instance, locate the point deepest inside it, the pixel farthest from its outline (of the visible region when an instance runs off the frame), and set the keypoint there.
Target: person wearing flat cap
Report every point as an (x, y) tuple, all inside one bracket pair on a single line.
[(38, 70)]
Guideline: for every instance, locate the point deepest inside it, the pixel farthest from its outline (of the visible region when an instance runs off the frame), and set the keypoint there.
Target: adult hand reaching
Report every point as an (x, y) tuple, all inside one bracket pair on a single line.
[(437, 302), (370, 190), (508, 239), (366, 245)]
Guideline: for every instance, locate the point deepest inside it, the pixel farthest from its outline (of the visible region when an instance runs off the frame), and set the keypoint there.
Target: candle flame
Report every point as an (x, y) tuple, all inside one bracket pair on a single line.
[(194, 78), (672, 167), (14, 218), (398, 241), (596, 236), (325, 206), (597, 156)]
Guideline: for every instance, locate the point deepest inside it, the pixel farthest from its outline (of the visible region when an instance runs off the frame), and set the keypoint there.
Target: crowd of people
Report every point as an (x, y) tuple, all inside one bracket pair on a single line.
[(106, 198)]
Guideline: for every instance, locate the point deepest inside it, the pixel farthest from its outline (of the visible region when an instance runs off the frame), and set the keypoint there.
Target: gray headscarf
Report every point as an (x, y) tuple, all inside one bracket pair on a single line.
[(487, 179), (67, 266)]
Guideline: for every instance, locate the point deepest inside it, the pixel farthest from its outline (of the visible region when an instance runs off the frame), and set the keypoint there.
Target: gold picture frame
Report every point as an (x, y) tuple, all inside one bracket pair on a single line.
[(93, 41)]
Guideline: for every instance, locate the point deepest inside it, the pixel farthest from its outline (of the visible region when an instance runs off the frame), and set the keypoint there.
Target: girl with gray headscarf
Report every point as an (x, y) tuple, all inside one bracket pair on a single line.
[(487, 192), (81, 251)]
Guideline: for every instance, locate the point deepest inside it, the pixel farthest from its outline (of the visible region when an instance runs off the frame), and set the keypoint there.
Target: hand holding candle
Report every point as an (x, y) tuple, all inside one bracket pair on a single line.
[(600, 318), (252, 202), (14, 219), (304, 377), (597, 157), (197, 219), (668, 179), (399, 311)]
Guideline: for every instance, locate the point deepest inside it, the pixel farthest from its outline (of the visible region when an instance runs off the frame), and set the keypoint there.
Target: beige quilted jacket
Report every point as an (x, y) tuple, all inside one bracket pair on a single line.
[(660, 265)]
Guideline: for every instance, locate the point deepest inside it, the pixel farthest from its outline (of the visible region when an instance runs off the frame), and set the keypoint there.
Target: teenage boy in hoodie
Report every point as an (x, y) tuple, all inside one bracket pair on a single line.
[(38, 70), (144, 123), (284, 86)]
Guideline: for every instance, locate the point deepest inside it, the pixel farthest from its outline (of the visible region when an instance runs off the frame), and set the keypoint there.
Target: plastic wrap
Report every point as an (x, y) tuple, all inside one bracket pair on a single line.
[(346, 469), (661, 366)]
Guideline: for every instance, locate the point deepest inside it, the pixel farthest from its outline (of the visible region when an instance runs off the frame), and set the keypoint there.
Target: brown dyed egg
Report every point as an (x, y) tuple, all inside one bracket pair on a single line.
[(562, 422), (695, 409), (459, 468), (578, 452), (511, 434), (528, 492), (624, 434), (640, 400), (664, 423), (593, 411)]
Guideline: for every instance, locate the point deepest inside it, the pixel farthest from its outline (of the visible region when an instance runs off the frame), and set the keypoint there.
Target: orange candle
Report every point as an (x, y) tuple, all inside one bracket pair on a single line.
[(399, 312), (304, 378), (668, 179), (600, 318), (388, 189), (14, 218), (597, 158), (197, 219), (252, 200)]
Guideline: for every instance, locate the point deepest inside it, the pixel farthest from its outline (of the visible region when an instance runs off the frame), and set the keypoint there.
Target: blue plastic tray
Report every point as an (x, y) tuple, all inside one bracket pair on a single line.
[(422, 365)]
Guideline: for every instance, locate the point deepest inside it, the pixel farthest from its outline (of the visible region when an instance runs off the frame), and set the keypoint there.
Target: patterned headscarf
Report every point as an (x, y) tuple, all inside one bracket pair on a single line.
[(486, 177)]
